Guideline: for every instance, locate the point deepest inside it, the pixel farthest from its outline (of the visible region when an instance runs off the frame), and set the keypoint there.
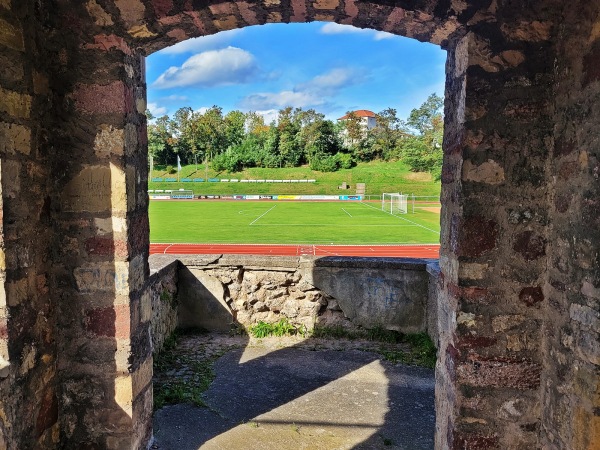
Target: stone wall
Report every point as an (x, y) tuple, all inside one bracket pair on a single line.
[(518, 303), (570, 403), (29, 382), (217, 292), (161, 299)]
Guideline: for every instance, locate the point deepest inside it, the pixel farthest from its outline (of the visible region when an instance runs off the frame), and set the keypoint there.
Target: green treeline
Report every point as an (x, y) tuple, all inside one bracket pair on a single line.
[(238, 140)]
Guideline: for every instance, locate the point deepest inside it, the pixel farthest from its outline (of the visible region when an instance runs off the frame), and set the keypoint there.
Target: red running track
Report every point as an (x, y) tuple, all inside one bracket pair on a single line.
[(406, 251)]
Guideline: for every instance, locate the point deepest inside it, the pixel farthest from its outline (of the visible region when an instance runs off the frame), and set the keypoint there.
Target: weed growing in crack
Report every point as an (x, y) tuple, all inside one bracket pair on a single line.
[(279, 329)]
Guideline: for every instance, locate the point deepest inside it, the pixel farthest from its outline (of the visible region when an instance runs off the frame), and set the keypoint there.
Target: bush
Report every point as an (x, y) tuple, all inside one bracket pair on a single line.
[(171, 169), (345, 160)]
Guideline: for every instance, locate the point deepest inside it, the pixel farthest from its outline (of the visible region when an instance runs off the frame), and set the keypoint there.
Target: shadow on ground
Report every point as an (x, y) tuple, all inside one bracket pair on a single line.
[(291, 394)]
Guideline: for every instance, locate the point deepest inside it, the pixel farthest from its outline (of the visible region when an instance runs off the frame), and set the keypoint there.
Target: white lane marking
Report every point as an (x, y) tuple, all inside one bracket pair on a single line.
[(263, 214), (165, 252)]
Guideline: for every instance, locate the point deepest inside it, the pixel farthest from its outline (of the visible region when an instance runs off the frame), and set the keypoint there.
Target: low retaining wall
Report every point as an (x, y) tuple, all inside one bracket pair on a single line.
[(161, 294), (216, 292)]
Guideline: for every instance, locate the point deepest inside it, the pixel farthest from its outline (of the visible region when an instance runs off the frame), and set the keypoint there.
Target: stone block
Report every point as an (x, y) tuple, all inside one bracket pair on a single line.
[(15, 139), (113, 98), (107, 42), (96, 189), (146, 306), (11, 36), (530, 245), (15, 104), (489, 172), (506, 322), (326, 4), (103, 277), (132, 11), (109, 141), (531, 296), (588, 317), (473, 236), (100, 17)]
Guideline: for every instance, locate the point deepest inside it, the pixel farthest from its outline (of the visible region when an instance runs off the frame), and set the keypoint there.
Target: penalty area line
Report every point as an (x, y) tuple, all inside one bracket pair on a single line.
[(346, 212), (399, 217), (263, 214)]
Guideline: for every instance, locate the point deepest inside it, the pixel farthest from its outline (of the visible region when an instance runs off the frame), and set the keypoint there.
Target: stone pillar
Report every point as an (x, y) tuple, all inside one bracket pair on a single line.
[(28, 381), (495, 221), (105, 357), (571, 379)]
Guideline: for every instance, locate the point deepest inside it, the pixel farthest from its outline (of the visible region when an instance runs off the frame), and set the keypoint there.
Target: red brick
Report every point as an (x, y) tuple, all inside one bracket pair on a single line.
[(110, 322), (105, 246), (567, 170), (162, 7), (530, 245), (112, 98), (48, 413), (562, 202), (531, 296), (473, 342), (474, 441), (106, 42), (474, 236), (499, 372), (122, 322), (101, 321), (469, 294)]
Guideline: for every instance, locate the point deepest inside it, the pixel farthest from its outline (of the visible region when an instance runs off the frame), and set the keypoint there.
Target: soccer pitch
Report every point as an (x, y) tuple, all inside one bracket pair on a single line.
[(287, 222)]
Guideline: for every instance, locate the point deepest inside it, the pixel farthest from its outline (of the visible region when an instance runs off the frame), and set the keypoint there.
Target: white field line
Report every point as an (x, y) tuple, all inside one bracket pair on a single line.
[(262, 215), (346, 212), (409, 221), (329, 224)]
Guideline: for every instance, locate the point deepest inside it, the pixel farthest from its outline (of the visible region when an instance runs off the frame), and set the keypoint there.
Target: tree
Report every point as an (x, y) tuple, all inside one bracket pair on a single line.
[(385, 136), (160, 141), (424, 151)]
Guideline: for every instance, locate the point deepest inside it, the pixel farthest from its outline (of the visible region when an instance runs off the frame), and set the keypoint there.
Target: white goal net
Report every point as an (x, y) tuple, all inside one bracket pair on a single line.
[(394, 203)]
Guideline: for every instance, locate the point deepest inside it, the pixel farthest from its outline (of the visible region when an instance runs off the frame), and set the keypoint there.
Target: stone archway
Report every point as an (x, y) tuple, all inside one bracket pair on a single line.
[(519, 285)]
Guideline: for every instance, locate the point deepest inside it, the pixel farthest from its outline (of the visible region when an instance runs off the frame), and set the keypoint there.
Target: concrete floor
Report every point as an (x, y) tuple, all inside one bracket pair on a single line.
[(290, 394)]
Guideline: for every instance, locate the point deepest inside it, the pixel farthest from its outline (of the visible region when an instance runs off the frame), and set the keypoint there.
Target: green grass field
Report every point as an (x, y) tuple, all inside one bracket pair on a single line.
[(282, 222), (379, 176)]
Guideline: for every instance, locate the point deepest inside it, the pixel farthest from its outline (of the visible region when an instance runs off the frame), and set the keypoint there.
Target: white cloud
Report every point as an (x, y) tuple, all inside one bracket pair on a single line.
[(278, 100), (270, 115), (336, 28), (157, 111), (201, 44), (314, 93), (175, 98), (230, 65)]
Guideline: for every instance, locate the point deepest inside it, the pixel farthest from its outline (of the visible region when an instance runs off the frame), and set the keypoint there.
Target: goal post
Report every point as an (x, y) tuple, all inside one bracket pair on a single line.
[(394, 203)]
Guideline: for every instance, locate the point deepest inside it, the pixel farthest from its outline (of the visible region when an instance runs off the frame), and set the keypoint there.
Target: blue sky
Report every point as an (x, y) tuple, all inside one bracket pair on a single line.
[(328, 67)]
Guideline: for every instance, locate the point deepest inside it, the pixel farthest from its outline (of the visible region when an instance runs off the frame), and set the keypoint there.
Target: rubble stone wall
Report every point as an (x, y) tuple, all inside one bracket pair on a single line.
[(217, 292), (570, 404), (161, 299)]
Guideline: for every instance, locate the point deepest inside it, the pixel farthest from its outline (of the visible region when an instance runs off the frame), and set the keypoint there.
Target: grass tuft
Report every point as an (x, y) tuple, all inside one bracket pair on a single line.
[(279, 329)]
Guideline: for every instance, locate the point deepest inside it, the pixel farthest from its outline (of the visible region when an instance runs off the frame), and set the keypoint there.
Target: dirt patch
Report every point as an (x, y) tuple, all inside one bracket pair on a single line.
[(418, 176)]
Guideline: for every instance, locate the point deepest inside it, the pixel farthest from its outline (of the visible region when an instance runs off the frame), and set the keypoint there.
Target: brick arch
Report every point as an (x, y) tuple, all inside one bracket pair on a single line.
[(151, 26), (514, 339)]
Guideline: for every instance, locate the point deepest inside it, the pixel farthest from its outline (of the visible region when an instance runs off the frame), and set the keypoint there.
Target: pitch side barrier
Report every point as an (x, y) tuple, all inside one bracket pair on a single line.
[(188, 195)]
